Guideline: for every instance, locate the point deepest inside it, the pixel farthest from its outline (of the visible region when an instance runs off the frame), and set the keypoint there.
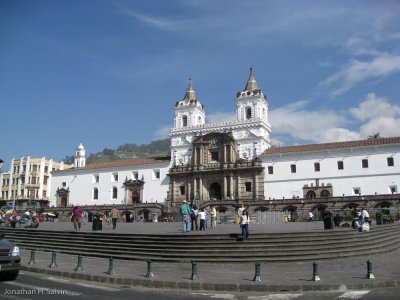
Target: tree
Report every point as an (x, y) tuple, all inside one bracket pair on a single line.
[(375, 136)]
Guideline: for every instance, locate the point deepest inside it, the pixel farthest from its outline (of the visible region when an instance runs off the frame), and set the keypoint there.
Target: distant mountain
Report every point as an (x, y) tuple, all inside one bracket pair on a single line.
[(127, 151)]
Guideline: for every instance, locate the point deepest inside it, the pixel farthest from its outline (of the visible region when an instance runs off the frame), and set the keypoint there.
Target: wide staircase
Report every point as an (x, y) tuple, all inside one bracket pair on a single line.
[(223, 248)]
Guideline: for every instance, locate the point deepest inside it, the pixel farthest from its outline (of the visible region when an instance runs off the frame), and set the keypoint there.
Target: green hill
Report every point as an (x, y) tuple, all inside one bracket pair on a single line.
[(128, 151)]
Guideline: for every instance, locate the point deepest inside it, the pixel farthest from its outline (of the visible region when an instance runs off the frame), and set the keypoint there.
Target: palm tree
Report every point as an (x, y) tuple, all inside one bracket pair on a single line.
[(375, 136)]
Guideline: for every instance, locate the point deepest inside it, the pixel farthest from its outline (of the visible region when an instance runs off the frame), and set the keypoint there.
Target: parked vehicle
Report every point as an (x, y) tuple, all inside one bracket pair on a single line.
[(10, 259)]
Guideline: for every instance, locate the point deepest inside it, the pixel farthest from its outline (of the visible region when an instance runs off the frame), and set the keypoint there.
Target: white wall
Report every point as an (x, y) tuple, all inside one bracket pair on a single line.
[(377, 178), (81, 184)]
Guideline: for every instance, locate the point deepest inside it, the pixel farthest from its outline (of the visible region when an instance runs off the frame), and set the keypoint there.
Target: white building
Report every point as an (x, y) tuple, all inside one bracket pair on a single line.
[(366, 167), (232, 161)]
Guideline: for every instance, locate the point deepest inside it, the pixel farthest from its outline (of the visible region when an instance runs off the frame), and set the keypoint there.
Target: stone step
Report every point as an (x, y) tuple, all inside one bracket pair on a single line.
[(212, 248)]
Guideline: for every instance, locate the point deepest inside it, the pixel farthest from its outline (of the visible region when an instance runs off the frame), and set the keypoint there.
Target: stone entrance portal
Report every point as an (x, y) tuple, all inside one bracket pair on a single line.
[(133, 191)]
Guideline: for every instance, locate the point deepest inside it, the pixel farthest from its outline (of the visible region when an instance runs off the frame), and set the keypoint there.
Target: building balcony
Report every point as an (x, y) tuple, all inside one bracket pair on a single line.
[(32, 186)]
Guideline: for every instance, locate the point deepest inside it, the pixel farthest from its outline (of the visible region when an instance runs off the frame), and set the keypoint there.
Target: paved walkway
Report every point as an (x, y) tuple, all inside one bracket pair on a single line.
[(347, 273)]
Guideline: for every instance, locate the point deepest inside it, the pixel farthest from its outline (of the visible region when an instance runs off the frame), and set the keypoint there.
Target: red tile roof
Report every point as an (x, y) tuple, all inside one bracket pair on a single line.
[(121, 163), (332, 146)]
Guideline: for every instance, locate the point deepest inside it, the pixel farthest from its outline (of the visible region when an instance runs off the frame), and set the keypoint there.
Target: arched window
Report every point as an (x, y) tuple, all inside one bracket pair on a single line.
[(325, 194), (114, 193), (248, 113), (184, 121), (311, 194), (95, 194)]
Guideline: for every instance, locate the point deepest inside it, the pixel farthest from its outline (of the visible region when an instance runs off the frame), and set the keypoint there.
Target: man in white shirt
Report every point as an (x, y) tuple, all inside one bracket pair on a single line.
[(310, 216), (364, 215)]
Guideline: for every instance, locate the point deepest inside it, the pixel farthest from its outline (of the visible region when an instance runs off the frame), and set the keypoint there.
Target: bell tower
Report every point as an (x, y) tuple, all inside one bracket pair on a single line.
[(80, 157), (252, 135), (189, 118), (189, 111), (251, 104)]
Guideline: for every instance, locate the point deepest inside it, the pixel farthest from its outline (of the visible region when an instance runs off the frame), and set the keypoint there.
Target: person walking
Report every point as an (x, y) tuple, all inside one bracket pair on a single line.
[(76, 218), (185, 212), (114, 216), (213, 214), (244, 225)]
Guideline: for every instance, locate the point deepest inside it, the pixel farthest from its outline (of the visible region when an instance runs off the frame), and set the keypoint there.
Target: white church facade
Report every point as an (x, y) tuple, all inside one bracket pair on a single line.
[(230, 163)]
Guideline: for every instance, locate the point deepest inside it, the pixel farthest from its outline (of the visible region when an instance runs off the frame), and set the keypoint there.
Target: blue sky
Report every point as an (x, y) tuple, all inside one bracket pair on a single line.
[(106, 73)]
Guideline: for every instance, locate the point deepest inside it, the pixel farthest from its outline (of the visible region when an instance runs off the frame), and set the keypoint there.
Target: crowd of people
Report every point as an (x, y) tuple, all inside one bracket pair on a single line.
[(27, 218), (195, 219)]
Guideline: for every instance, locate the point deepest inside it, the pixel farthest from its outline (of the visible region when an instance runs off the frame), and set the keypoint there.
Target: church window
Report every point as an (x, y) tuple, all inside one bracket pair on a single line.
[(156, 174), (95, 194), (96, 178), (198, 158), (248, 186), (317, 167), (390, 161), (248, 113), (270, 170), (228, 153), (214, 156), (340, 165), (114, 193), (182, 190), (115, 177), (293, 168), (184, 121), (365, 163)]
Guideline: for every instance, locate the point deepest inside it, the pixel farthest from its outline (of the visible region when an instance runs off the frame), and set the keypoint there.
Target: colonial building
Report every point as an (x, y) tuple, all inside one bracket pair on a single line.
[(232, 162), (353, 168), (28, 182)]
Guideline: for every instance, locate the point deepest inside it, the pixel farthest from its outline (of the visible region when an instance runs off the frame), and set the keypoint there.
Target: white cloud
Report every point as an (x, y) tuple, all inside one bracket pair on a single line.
[(162, 132), (379, 116), (386, 127), (357, 71), (300, 124), (295, 122), (153, 21), (375, 107)]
